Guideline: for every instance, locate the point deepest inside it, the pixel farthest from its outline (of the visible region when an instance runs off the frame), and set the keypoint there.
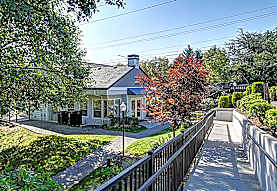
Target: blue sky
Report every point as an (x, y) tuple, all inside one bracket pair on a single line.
[(177, 14)]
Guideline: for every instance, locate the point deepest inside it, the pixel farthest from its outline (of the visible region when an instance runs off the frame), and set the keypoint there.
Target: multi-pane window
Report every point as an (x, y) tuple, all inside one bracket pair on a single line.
[(110, 108), (139, 108), (97, 108), (133, 108), (84, 108)]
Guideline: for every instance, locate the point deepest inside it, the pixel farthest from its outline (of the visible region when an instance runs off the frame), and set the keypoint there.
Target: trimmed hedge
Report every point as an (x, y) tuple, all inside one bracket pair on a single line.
[(26, 179), (246, 100), (273, 93), (247, 91), (257, 87), (258, 109), (224, 102), (271, 119), (236, 96)]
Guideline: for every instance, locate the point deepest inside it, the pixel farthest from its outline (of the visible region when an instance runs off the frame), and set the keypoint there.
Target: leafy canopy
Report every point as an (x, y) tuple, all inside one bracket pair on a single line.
[(40, 56), (253, 56), (217, 63)]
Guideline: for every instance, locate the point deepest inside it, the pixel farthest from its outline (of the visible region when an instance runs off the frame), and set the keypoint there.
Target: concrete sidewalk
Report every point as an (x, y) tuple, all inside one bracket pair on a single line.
[(44, 127), (222, 165)]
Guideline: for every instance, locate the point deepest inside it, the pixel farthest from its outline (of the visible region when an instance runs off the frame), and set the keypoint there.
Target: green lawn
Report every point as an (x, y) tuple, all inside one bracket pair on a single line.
[(142, 146), (22, 148)]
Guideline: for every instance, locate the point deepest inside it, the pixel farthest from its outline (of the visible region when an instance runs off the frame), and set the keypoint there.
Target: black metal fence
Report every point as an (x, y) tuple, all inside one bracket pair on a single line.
[(165, 168)]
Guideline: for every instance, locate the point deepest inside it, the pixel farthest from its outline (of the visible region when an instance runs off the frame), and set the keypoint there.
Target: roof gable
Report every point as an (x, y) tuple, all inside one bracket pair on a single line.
[(104, 76)]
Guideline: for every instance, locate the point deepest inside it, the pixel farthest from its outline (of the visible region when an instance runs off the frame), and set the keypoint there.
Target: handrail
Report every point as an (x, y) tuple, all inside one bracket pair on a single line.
[(153, 161), (170, 160), (262, 149), (123, 173)]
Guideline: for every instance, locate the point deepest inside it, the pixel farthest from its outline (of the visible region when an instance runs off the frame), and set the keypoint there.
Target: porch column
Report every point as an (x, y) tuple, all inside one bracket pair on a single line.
[(90, 108)]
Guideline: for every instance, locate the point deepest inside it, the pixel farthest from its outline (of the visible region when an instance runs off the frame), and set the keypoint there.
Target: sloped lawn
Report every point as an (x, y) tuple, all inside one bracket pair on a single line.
[(142, 146), (22, 148)]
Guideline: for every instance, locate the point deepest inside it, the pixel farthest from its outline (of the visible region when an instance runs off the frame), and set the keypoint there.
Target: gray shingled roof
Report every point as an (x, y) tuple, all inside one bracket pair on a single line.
[(104, 75)]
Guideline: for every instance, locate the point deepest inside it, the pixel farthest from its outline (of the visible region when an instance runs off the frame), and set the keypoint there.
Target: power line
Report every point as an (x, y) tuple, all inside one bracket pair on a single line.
[(189, 25), (211, 27), (163, 54), (134, 11), (192, 43)]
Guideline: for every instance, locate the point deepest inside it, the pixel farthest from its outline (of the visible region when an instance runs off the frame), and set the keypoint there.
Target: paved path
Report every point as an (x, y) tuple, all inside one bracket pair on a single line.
[(82, 168), (222, 165), (43, 127)]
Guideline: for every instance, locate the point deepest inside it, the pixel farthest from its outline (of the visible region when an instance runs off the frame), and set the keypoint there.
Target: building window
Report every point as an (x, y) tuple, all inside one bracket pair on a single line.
[(133, 108), (138, 108), (110, 108), (84, 108), (97, 108)]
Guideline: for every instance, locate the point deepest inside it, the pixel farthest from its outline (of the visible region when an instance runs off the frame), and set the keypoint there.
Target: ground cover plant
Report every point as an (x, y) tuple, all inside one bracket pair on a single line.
[(103, 173), (22, 148), (26, 179)]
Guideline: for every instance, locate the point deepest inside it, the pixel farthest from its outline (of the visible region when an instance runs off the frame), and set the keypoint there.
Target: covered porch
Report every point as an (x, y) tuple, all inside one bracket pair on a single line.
[(103, 105)]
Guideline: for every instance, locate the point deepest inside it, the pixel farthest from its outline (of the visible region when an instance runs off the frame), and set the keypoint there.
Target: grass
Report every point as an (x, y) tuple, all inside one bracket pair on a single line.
[(103, 174), (142, 146), (132, 129), (22, 148)]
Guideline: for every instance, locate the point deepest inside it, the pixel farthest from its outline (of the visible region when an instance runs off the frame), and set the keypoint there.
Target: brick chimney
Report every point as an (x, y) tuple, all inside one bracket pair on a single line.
[(133, 60)]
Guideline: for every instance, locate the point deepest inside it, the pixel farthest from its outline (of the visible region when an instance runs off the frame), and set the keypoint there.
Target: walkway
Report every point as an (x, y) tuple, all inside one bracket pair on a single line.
[(82, 168), (43, 127), (221, 165)]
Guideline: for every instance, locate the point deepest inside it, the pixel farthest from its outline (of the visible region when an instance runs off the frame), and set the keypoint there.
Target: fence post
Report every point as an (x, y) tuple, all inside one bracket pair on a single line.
[(183, 158), (150, 168)]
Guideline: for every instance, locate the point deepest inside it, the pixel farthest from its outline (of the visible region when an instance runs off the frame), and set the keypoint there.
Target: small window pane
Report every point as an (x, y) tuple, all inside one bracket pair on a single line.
[(97, 108)]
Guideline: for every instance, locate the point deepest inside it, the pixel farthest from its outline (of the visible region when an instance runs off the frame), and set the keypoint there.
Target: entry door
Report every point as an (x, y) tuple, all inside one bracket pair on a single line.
[(136, 108)]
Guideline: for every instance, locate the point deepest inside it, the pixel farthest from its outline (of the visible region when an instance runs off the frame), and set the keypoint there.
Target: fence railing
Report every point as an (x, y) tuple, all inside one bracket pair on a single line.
[(166, 167)]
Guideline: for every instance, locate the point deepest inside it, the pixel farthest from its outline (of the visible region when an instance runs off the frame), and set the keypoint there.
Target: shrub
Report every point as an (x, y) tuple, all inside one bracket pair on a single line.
[(208, 103), (25, 179), (271, 119), (244, 101), (238, 102), (247, 91), (224, 102), (236, 96), (258, 109), (273, 93), (258, 87)]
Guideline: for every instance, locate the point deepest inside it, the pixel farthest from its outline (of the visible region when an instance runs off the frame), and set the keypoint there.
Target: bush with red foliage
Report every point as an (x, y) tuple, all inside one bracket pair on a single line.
[(172, 98)]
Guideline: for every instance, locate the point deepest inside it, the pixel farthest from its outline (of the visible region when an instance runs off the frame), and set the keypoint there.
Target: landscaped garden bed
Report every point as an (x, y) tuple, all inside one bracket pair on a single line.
[(132, 129), (21, 148), (254, 107)]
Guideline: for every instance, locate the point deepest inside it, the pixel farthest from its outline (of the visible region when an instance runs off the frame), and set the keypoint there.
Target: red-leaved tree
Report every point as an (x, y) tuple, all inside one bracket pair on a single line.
[(174, 96)]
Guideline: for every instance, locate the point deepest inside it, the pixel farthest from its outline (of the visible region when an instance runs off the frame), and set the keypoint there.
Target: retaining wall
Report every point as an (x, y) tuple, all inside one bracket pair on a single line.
[(265, 170)]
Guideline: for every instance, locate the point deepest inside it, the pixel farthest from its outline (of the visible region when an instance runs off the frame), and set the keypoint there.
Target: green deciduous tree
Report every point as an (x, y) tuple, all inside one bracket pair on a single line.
[(217, 63), (156, 65), (40, 57), (253, 56)]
